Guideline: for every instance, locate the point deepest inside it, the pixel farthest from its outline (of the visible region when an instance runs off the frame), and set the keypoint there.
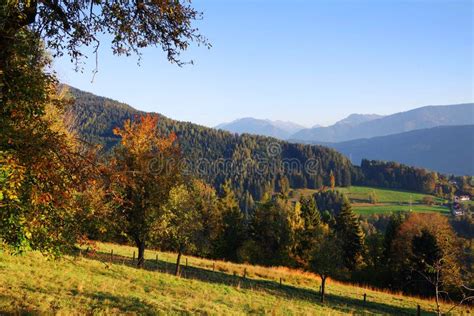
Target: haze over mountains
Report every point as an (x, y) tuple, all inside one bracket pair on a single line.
[(277, 129), (447, 149), (355, 127), (435, 137)]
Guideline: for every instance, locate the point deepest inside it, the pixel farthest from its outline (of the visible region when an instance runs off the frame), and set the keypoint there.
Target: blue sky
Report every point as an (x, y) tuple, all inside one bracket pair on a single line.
[(311, 62)]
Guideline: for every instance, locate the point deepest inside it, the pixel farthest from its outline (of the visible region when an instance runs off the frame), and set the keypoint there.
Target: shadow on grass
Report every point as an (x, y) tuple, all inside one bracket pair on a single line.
[(101, 302), (337, 302), (119, 303)]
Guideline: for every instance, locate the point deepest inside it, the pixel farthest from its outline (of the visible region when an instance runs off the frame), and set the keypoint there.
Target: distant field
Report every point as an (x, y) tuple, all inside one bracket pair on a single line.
[(31, 284), (388, 200), (361, 194), (383, 209)]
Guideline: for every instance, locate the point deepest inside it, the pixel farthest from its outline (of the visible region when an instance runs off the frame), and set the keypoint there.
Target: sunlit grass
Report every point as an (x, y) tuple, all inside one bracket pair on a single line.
[(92, 284), (388, 200)]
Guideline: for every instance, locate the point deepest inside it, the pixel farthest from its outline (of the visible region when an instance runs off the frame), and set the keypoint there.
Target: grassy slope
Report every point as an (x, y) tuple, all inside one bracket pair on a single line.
[(389, 200), (92, 285)]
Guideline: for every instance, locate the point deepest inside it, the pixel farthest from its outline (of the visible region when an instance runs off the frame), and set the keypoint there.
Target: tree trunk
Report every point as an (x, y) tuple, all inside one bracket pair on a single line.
[(178, 260), (438, 311), (141, 253), (323, 287)]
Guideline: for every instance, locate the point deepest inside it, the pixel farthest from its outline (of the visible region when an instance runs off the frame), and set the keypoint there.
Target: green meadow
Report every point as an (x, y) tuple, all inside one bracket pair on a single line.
[(99, 283), (388, 200)]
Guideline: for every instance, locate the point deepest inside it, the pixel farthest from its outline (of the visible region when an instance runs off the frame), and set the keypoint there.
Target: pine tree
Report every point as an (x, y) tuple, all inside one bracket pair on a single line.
[(350, 233), (309, 235), (234, 231), (310, 212)]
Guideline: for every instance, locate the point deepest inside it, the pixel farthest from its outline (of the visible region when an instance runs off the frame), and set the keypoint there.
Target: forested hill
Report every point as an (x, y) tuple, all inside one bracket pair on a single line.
[(447, 149), (255, 164)]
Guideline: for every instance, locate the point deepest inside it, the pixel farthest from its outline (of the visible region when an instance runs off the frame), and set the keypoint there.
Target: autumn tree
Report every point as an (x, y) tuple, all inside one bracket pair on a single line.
[(332, 180), (144, 169), (427, 250), (41, 170), (42, 165), (68, 26)]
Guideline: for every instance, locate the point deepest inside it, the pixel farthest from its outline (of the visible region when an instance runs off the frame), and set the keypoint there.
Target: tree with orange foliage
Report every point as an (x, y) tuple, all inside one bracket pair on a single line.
[(332, 180), (144, 169), (427, 247)]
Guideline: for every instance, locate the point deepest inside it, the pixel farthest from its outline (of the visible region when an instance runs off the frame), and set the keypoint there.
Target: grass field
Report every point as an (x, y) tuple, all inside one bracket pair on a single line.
[(91, 284), (388, 200)]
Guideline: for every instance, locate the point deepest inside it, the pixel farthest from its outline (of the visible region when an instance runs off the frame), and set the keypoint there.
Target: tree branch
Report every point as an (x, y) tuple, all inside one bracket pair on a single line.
[(59, 12)]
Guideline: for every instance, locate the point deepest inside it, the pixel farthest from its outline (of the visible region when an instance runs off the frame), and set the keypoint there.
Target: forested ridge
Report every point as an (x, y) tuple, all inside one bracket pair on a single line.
[(254, 164)]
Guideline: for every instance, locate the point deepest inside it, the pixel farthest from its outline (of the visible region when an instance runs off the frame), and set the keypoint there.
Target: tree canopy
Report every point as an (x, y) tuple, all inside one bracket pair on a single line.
[(68, 26)]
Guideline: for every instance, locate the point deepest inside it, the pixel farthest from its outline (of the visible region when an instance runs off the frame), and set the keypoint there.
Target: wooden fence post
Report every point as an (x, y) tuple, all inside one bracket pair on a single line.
[(245, 272), (280, 282), (133, 258), (157, 261), (418, 310), (213, 266), (365, 298), (186, 263), (111, 255)]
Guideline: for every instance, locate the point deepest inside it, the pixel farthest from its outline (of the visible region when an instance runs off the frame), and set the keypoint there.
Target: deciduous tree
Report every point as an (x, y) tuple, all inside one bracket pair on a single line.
[(144, 169), (183, 222), (327, 259)]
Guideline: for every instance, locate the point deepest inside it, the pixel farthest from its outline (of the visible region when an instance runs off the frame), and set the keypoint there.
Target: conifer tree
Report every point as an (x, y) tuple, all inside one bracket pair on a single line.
[(310, 235), (310, 212), (233, 232), (349, 232)]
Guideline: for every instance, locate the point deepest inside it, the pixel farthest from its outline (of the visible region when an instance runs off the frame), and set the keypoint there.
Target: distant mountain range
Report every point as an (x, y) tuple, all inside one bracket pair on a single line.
[(439, 138), (249, 125), (354, 120), (447, 149), (365, 126)]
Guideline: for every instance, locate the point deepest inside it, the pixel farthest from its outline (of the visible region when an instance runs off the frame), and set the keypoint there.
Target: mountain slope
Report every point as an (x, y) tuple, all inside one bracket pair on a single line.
[(277, 129), (420, 118), (254, 164), (356, 119), (447, 149)]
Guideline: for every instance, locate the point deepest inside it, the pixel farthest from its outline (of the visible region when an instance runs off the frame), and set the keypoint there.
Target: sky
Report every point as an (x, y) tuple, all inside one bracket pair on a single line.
[(306, 61)]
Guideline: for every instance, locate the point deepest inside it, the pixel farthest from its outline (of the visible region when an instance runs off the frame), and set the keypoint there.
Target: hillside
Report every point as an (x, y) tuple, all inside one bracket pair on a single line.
[(446, 149), (253, 163), (388, 200), (419, 118), (277, 129), (30, 284)]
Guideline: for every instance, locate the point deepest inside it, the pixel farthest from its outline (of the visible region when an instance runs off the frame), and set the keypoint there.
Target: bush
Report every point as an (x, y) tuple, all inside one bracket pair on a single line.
[(428, 200)]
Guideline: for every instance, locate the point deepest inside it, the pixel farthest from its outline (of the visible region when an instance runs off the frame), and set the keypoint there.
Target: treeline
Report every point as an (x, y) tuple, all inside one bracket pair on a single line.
[(399, 176), (255, 165)]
